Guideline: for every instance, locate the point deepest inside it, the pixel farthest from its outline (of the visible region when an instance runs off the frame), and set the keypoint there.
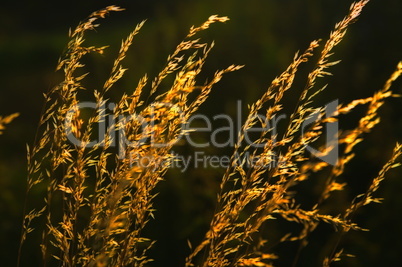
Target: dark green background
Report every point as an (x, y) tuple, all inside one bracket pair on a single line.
[(263, 35)]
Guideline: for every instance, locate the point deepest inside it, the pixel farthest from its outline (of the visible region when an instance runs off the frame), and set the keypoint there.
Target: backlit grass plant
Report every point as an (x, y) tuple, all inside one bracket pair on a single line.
[(99, 200), (6, 120)]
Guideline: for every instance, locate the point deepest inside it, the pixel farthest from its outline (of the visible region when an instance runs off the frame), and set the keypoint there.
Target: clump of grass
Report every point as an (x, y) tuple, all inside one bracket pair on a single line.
[(98, 200), (234, 238), (79, 177)]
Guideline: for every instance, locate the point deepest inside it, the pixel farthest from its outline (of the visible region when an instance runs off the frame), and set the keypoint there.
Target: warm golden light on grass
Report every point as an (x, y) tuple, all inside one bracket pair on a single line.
[(99, 196)]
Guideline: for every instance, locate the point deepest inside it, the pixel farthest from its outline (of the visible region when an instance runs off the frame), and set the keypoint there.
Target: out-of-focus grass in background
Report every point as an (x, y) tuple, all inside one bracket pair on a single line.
[(261, 34)]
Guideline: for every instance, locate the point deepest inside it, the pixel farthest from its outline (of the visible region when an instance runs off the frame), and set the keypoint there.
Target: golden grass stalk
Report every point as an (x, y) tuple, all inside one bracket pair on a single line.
[(78, 176), (251, 195)]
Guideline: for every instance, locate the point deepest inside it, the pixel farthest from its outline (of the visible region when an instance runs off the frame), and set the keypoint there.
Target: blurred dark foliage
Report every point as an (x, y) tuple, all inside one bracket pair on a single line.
[(263, 35)]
